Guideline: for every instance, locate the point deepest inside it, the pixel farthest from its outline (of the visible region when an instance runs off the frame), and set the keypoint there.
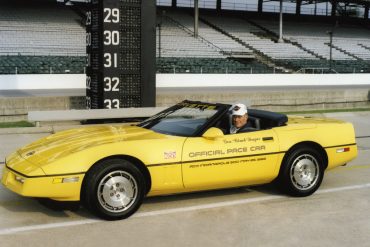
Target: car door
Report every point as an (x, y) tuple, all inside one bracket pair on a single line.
[(230, 160)]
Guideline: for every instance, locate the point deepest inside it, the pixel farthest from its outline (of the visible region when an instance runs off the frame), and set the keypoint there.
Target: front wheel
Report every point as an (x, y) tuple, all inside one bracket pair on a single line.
[(302, 172), (114, 189)]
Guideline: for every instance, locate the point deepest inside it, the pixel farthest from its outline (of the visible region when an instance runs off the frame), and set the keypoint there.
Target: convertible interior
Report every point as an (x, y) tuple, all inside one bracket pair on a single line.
[(260, 120)]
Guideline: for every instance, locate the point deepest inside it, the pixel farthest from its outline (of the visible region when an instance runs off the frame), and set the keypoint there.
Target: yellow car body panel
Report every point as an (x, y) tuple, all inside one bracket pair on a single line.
[(72, 152), (231, 161), (55, 166), (332, 135)]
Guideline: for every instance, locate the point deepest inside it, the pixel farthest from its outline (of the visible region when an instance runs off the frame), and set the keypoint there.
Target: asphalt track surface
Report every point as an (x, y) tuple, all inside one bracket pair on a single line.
[(336, 215)]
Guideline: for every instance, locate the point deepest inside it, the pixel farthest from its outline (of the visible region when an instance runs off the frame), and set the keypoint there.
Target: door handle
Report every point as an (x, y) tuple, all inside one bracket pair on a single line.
[(270, 138)]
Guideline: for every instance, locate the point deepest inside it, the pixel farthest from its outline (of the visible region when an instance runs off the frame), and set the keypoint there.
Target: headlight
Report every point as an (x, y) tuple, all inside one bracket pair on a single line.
[(20, 179)]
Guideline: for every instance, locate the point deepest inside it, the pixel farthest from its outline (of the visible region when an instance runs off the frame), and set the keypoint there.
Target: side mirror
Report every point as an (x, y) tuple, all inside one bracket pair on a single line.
[(213, 133)]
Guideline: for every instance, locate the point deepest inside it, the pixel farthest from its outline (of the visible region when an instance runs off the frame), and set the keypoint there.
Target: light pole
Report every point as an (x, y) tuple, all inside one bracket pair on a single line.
[(281, 23), (331, 49), (159, 33), (159, 40), (196, 18)]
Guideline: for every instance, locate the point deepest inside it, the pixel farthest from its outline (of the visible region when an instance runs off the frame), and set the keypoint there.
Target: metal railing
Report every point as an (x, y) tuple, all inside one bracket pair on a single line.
[(318, 70), (52, 70), (219, 70), (42, 54), (233, 5), (323, 10)]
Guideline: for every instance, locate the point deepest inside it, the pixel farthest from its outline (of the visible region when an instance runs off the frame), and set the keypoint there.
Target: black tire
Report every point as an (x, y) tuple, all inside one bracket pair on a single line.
[(302, 172), (113, 189)]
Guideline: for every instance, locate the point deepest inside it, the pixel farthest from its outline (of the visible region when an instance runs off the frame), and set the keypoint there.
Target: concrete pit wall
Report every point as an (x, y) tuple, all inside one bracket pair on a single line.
[(278, 92), (276, 99), (16, 108)]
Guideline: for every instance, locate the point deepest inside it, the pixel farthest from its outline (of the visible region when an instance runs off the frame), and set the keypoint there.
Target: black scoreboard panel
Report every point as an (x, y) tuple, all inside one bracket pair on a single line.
[(120, 40)]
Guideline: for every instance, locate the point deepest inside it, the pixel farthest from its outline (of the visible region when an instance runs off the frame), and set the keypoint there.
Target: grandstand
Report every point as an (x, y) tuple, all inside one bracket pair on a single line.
[(212, 52), (51, 39), (41, 39), (305, 47)]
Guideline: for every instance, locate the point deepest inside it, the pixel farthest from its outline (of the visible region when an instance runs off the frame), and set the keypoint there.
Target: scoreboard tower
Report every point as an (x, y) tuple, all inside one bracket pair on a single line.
[(120, 45)]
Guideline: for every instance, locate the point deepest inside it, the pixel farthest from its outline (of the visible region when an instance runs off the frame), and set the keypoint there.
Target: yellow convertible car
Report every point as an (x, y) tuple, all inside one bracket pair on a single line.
[(111, 168)]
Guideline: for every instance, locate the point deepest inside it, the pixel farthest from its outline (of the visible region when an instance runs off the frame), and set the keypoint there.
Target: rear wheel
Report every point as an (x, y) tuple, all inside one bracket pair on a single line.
[(302, 172), (114, 189)]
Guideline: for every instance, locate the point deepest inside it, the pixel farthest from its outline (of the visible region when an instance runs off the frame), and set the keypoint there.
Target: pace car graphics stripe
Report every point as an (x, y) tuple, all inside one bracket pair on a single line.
[(168, 164), (343, 145), (223, 158), (43, 176)]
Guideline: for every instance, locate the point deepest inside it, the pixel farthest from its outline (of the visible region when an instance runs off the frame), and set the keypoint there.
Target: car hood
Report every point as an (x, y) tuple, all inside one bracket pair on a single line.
[(67, 142)]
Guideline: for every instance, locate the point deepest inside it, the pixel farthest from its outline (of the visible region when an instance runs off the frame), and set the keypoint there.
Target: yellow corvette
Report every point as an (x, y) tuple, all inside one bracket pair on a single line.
[(111, 168)]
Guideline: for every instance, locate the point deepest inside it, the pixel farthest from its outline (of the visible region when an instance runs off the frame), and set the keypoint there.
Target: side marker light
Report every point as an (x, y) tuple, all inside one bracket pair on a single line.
[(65, 180), (343, 150), (70, 180)]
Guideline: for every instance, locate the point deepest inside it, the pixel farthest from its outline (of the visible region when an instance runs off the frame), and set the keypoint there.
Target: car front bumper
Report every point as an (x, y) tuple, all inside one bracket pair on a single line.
[(57, 187)]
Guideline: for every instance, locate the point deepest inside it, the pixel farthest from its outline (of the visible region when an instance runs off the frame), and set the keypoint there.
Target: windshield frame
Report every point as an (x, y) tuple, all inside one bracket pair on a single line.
[(221, 110)]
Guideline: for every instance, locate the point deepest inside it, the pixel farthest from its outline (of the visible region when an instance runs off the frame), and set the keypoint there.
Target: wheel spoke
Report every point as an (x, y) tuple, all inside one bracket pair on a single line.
[(305, 172), (117, 191)]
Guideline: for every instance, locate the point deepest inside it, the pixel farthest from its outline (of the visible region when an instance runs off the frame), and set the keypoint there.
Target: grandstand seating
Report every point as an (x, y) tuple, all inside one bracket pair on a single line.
[(51, 39), (40, 31), (41, 39), (348, 52), (177, 42), (315, 36), (210, 52), (209, 65), (256, 38), (227, 45), (42, 64)]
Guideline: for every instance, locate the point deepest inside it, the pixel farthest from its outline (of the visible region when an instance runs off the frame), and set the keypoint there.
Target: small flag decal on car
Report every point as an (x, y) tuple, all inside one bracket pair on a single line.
[(170, 155)]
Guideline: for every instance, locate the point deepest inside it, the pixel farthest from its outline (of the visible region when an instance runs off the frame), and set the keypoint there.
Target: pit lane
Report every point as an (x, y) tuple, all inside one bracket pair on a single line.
[(337, 214)]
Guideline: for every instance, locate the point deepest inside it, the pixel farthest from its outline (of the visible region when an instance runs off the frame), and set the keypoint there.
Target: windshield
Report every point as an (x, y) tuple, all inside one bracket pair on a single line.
[(183, 119)]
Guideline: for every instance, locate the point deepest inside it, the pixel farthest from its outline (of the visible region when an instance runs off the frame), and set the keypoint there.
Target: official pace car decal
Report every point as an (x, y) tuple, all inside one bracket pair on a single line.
[(224, 156), (245, 160), (210, 153), (239, 157)]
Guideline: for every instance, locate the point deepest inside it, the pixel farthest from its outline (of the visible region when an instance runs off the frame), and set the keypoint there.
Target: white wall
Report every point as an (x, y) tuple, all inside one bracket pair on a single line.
[(237, 80), (45, 81), (71, 81)]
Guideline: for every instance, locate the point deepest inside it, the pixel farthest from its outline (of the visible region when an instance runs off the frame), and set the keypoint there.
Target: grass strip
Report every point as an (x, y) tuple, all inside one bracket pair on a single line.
[(327, 111), (19, 124)]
